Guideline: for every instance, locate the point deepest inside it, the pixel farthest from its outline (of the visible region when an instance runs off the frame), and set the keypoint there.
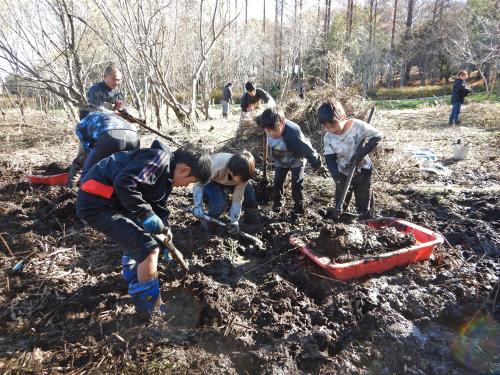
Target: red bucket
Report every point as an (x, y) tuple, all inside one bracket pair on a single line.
[(55, 179), (422, 250)]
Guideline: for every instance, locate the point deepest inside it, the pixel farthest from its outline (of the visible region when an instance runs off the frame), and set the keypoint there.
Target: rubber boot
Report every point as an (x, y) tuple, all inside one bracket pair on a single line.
[(145, 296), (129, 269)]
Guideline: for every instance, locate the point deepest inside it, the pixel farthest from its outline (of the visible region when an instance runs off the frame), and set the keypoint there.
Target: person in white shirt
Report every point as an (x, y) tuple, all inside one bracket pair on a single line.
[(341, 142)]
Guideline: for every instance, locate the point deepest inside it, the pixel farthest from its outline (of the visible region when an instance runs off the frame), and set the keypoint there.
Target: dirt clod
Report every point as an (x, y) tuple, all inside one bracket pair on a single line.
[(345, 243)]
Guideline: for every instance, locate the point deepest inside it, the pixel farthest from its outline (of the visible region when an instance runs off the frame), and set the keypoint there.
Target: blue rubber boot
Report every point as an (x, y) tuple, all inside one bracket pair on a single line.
[(129, 269), (145, 295)]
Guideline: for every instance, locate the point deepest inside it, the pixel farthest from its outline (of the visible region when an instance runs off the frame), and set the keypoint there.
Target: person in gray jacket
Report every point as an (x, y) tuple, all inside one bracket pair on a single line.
[(289, 149), (227, 98)]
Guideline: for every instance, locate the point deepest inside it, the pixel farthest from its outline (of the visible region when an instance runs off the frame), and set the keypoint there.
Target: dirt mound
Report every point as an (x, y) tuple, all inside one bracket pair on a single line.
[(345, 243), (50, 169), (302, 112)]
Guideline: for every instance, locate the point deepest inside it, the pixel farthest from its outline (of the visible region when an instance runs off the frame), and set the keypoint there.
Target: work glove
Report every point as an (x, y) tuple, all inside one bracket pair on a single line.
[(322, 171), (233, 228), (355, 159), (198, 212), (153, 224)]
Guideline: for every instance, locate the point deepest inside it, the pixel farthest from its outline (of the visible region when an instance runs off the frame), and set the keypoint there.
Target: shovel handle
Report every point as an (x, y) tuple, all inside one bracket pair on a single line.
[(242, 234), (176, 254)]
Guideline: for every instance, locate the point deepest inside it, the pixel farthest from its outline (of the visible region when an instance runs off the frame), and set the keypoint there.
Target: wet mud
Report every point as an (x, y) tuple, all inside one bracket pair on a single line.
[(243, 310)]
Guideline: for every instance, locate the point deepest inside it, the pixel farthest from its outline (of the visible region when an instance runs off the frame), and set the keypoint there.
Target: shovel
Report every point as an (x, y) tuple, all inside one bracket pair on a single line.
[(243, 235), (176, 254), (263, 191)]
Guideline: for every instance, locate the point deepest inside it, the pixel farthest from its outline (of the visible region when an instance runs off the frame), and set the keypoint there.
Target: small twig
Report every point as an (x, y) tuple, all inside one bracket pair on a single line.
[(451, 247), (6, 246), (119, 337)]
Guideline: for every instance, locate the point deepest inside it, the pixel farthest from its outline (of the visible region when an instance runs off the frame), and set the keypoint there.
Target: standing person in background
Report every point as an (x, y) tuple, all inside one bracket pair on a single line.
[(459, 92), (227, 98), (102, 96), (106, 94), (252, 98)]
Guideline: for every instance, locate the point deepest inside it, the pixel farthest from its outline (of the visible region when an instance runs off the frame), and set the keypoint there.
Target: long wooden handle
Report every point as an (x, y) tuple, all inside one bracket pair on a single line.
[(142, 123), (242, 234), (176, 254), (264, 154)]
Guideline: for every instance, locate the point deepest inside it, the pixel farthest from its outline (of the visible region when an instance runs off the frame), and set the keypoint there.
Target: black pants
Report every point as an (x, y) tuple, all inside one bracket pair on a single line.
[(108, 143), (116, 224), (360, 186), (280, 174)]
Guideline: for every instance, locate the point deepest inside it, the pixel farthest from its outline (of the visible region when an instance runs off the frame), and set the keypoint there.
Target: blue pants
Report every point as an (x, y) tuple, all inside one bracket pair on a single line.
[(217, 197), (455, 112), (116, 223)]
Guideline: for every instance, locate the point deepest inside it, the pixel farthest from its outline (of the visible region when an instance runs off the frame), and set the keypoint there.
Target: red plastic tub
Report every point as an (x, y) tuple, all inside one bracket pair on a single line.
[(422, 250), (55, 179)]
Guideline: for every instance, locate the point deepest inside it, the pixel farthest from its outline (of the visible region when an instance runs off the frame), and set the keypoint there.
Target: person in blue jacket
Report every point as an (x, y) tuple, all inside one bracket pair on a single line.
[(101, 134), (458, 93), (124, 197), (289, 150), (106, 94)]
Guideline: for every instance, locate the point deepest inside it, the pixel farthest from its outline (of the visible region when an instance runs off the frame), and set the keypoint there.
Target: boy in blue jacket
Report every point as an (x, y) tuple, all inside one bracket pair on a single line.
[(124, 196), (101, 134), (459, 92), (289, 150)]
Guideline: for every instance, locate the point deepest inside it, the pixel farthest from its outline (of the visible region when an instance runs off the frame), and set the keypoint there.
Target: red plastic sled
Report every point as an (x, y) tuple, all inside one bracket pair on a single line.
[(422, 250), (55, 179)]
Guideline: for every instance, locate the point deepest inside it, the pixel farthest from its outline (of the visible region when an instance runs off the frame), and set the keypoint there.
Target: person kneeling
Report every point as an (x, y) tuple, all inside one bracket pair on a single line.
[(230, 172)]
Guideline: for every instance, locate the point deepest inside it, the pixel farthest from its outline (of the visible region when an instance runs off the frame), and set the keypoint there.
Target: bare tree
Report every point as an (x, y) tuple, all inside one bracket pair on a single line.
[(44, 43), (477, 43)]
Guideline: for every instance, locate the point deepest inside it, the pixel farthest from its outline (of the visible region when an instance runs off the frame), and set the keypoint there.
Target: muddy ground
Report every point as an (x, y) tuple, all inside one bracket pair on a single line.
[(242, 310)]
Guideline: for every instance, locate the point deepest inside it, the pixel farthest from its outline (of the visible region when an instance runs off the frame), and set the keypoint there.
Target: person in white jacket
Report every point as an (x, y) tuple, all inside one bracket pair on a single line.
[(230, 173)]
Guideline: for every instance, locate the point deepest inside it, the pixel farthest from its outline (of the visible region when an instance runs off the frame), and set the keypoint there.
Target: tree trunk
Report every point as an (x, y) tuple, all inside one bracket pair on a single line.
[(405, 65), (390, 68), (349, 17), (156, 105)]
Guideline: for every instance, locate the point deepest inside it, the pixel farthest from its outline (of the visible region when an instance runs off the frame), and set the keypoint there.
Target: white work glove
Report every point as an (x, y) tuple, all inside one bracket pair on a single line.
[(167, 232), (198, 201), (233, 228), (235, 212)]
